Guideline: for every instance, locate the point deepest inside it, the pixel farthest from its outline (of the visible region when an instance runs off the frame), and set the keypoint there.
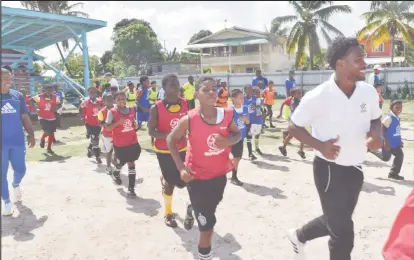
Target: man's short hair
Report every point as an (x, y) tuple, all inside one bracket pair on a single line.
[(236, 92), (340, 48), (142, 79)]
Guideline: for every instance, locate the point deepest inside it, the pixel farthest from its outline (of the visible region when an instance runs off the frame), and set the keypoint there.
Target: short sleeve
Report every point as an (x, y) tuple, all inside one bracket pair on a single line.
[(306, 111), (387, 121), (36, 99), (287, 83), (23, 107), (109, 117), (100, 116)]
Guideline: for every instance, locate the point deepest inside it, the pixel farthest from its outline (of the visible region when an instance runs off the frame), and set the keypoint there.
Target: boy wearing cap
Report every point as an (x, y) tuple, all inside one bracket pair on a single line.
[(374, 77)]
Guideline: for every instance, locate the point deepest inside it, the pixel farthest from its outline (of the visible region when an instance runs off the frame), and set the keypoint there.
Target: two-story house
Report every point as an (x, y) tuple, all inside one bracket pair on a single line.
[(382, 54), (239, 50)]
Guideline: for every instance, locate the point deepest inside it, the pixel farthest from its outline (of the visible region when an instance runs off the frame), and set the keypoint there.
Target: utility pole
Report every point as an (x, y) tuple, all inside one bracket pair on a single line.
[(225, 23)]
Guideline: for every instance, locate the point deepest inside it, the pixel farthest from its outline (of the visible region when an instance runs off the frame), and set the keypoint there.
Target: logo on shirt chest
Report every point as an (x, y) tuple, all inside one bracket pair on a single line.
[(211, 142), (95, 111), (8, 109), (127, 126), (174, 123), (363, 107), (48, 106)]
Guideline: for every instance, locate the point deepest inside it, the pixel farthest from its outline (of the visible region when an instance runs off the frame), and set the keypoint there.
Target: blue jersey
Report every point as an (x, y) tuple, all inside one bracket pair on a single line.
[(254, 105), (13, 105), (393, 132), (240, 123), (144, 99), (290, 83), (256, 80), (59, 94)]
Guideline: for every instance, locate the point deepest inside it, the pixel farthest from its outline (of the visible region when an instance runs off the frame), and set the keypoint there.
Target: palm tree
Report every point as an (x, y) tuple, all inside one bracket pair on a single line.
[(389, 20), (310, 16), (57, 7)]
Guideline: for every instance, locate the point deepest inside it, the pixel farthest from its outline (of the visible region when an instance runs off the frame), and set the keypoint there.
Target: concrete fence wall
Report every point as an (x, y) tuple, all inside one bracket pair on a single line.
[(392, 77)]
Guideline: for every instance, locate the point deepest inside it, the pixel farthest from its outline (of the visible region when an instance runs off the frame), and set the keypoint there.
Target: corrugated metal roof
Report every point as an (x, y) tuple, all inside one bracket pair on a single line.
[(227, 42)]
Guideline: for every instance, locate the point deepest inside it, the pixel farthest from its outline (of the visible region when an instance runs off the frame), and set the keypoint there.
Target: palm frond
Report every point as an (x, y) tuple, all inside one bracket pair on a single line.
[(285, 19), (298, 8), (377, 15), (330, 27), (326, 36), (75, 5), (314, 46), (368, 29), (409, 16), (404, 31), (375, 4), (293, 37), (380, 35), (315, 5), (327, 12), (405, 6)]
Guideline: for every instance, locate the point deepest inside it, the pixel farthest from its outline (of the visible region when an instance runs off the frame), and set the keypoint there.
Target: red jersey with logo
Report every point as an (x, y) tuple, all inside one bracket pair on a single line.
[(400, 244), (46, 106), (288, 100), (29, 104), (167, 121), (203, 157), (124, 135), (91, 110), (105, 132)]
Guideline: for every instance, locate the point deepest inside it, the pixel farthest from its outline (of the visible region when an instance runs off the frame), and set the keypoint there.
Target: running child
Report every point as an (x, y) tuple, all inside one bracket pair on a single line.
[(121, 121), (241, 118), (256, 119), (143, 104), (108, 102), (223, 95), (153, 93), (285, 108), (250, 102), (47, 104), (269, 100), (131, 94), (164, 117), (212, 132), (297, 95), (89, 110)]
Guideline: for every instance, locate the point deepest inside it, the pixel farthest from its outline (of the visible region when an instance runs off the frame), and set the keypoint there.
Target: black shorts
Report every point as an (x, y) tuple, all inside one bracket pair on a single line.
[(93, 129), (48, 126), (237, 149), (205, 195), (127, 154), (169, 169), (269, 108)]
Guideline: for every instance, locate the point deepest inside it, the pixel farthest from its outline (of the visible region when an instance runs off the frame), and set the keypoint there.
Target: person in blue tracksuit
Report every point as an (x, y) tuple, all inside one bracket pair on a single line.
[(143, 102), (13, 149), (250, 102), (241, 118), (256, 119), (392, 142)]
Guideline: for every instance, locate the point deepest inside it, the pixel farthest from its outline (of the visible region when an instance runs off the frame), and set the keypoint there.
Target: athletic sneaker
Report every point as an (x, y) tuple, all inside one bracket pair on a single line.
[(258, 151), (272, 126), (89, 154), (236, 181), (117, 177), (395, 177), (252, 157), (283, 150), (170, 221), (17, 194), (42, 143), (8, 209), (189, 219), (109, 170), (131, 193), (98, 160), (298, 247), (49, 150), (302, 154)]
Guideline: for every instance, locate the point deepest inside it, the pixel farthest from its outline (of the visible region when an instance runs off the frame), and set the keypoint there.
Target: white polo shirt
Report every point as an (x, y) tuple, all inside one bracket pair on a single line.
[(114, 83), (331, 114)]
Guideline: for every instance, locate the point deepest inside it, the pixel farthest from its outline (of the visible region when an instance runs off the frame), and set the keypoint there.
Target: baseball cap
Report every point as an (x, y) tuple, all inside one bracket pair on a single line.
[(378, 67), (108, 74)]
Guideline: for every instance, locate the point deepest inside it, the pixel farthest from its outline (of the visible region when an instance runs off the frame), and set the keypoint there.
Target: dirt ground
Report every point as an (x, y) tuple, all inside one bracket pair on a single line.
[(72, 210)]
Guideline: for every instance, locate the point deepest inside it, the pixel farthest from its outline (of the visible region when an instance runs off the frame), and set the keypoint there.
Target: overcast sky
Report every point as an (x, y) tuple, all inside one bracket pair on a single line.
[(175, 22)]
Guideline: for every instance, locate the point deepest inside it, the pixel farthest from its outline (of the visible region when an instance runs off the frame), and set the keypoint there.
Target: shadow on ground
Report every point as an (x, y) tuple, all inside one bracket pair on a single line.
[(54, 158), (21, 226), (270, 166), (377, 164), (407, 183), (140, 205), (223, 248), (384, 190), (264, 191)]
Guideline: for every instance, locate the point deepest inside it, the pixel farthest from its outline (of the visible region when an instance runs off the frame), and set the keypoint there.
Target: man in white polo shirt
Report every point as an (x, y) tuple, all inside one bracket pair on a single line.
[(346, 120), (111, 80)]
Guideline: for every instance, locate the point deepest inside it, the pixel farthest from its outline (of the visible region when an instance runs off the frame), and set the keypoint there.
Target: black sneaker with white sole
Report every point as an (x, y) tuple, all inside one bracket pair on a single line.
[(283, 151), (189, 219), (116, 175), (131, 193), (170, 221)]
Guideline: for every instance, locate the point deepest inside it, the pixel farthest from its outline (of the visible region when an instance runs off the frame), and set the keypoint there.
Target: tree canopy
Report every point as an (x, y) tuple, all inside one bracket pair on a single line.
[(199, 35)]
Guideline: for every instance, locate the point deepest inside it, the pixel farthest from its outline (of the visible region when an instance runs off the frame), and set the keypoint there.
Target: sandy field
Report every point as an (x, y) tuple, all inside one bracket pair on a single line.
[(72, 210)]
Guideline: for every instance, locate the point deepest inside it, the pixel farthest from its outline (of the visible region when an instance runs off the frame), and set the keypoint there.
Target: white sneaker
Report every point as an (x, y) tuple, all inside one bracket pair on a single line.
[(17, 194), (298, 247), (8, 209)]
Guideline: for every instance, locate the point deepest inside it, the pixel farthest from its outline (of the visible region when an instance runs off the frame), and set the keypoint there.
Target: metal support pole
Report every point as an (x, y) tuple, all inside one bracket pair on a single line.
[(66, 59), (30, 67), (85, 62)]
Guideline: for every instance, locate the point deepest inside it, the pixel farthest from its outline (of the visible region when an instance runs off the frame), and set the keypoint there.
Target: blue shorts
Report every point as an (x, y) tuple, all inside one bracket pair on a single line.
[(143, 117)]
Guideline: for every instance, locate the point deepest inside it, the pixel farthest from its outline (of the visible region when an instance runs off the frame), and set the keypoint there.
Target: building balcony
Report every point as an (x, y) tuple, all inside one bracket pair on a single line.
[(223, 58)]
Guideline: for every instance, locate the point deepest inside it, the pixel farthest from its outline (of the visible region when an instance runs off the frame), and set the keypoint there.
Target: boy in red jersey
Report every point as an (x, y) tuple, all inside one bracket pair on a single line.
[(46, 107), (121, 121), (108, 101), (89, 110), (164, 116), (212, 132)]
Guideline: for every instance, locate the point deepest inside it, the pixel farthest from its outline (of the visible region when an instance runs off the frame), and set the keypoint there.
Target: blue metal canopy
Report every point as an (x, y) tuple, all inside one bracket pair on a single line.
[(23, 29), (27, 31)]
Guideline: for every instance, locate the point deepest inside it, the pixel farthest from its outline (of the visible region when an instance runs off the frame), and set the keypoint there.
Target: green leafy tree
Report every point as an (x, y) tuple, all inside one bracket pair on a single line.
[(310, 16), (199, 35), (105, 60), (135, 43), (75, 64), (388, 20)]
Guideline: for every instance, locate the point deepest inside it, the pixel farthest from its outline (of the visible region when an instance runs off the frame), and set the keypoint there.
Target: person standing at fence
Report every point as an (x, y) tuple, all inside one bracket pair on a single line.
[(14, 116), (259, 77), (374, 77), (223, 95), (269, 95), (340, 146), (47, 105), (189, 92), (290, 83), (143, 104)]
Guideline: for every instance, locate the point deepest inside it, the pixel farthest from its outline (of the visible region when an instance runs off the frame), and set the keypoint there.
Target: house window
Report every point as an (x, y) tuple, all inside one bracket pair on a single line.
[(234, 49), (251, 48), (380, 48), (249, 70)]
